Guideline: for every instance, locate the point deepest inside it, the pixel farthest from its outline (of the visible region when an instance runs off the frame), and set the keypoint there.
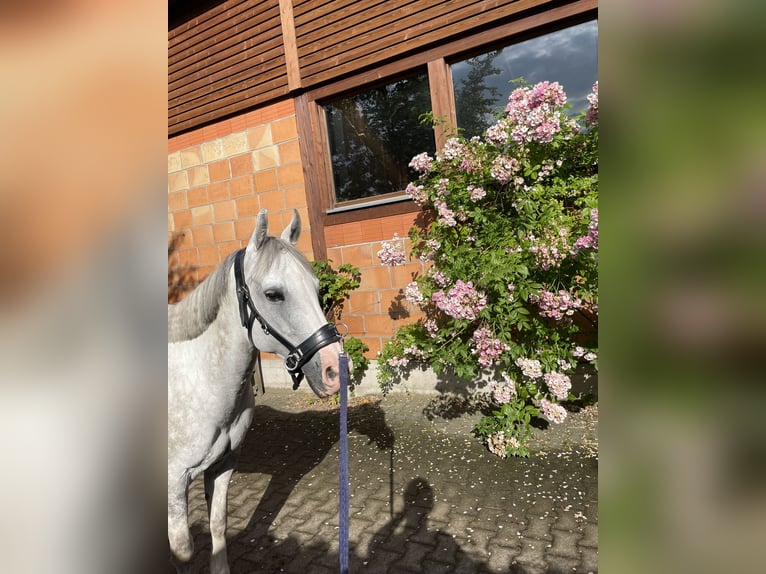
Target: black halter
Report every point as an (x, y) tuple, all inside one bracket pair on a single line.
[(297, 356)]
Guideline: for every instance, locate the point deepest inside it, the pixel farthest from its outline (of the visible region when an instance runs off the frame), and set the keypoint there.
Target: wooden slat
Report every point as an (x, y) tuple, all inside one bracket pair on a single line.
[(239, 37), (366, 50), (290, 44), (442, 100), (207, 76), (328, 16)]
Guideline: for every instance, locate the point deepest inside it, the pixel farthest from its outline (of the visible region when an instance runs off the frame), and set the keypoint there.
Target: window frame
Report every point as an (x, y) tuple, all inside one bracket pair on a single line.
[(312, 129)]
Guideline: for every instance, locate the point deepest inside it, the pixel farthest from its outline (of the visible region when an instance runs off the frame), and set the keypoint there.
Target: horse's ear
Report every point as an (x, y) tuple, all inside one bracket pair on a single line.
[(293, 231), (261, 230)]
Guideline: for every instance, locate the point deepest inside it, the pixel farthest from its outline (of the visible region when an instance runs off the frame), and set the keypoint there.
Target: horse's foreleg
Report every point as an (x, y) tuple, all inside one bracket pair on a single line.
[(216, 491), (181, 544)]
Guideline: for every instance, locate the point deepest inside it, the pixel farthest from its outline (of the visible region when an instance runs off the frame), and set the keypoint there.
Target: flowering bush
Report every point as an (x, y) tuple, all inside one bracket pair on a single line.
[(511, 242)]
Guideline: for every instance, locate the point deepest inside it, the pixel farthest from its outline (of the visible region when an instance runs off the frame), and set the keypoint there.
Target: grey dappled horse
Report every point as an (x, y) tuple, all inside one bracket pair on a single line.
[(212, 351)]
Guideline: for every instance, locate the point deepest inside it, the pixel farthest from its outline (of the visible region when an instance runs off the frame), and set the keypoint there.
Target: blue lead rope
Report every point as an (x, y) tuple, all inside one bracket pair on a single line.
[(343, 489)]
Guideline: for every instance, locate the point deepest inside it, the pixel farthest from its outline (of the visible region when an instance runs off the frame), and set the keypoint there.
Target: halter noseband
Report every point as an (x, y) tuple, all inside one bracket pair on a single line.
[(297, 356)]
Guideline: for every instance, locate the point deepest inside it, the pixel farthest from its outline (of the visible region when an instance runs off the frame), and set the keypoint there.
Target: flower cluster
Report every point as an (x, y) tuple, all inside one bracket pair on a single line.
[(552, 412), (498, 443), (589, 241), (591, 115), (503, 391), (557, 306), (530, 368), (412, 293), (422, 163), (476, 192), (550, 250), (461, 302), (487, 347), (453, 149), (579, 352), (391, 254), (417, 193), (533, 114), (558, 384), (446, 215), (503, 168)]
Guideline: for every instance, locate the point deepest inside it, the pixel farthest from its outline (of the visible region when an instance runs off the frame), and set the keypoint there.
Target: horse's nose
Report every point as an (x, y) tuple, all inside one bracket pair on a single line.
[(331, 374)]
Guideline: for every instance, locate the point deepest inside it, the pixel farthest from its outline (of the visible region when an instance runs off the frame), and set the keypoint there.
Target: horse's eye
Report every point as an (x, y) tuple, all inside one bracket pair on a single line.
[(274, 296)]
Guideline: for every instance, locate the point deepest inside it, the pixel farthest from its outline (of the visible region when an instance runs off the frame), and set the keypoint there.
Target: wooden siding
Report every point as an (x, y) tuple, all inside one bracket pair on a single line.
[(225, 61), (239, 54)]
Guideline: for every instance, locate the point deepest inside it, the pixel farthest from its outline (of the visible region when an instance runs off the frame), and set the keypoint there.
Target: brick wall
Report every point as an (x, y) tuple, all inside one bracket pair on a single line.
[(378, 307), (219, 178)]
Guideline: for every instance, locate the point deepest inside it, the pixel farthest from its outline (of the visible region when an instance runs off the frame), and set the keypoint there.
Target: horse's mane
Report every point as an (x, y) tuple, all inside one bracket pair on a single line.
[(191, 316)]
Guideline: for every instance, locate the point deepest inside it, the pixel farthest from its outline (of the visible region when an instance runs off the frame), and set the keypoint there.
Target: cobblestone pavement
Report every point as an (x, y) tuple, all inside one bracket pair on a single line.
[(425, 495)]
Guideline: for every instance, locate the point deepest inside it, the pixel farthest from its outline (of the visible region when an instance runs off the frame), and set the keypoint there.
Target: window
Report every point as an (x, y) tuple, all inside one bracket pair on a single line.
[(482, 83), (373, 136)]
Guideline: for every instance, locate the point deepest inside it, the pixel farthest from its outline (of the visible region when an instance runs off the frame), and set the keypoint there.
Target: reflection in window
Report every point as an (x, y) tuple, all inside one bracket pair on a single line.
[(482, 84), (374, 135)]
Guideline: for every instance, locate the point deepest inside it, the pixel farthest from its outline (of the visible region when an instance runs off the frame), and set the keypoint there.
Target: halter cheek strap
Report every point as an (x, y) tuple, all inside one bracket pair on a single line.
[(297, 356)]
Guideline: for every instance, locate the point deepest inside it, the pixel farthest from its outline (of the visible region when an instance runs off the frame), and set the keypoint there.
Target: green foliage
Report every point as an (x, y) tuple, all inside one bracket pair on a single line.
[(512, 291)]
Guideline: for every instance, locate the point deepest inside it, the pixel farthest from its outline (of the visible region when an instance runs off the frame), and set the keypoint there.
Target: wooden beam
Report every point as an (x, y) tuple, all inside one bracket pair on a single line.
[(290, 44), (442, 101)]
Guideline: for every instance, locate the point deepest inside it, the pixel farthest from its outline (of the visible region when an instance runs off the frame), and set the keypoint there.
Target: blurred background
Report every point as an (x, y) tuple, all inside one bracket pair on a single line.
[(83, 234)]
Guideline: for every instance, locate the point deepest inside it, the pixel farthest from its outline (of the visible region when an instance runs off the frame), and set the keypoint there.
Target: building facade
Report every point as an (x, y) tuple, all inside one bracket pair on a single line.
[(317, 105)]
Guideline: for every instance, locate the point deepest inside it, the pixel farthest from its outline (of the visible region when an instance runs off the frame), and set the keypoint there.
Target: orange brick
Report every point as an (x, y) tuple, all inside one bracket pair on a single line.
[(208, 255), (375, 278), (355, 323), (241, 165), (223, 232), (359, 255), (178, 201), (273, 201), (243, 227), (188, 258), (248, 206), (198, 196), (371, 231), (204, 271), (240, 186), (364, 302), (182, 219), (296, 197), (219, 170), (374, 344), (290, 175), (352, 232), (379, 325), (285, 129), (202, 235), (224, 249), (224, 211), (333, 235), (202, 215), (289, 152), (265, 180), (335, 255), (218, 191), (403, 274), (304, 244)]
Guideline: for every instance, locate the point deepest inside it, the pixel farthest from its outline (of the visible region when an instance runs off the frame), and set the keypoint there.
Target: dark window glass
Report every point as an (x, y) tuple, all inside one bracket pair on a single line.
[(374, 135), (482, 84)]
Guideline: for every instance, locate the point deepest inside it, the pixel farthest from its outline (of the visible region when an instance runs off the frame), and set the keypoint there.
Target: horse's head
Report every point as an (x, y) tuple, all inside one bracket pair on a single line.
[(284, 290)]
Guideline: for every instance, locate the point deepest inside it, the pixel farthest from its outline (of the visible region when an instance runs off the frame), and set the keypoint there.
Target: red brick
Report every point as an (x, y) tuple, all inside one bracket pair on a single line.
[(379, 325), (371, 231), (224, 211), (333, 235), (219, 170), (223, 232), (248, 206), (374, 344), (403, 274), (374, 278), (354, 323)]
